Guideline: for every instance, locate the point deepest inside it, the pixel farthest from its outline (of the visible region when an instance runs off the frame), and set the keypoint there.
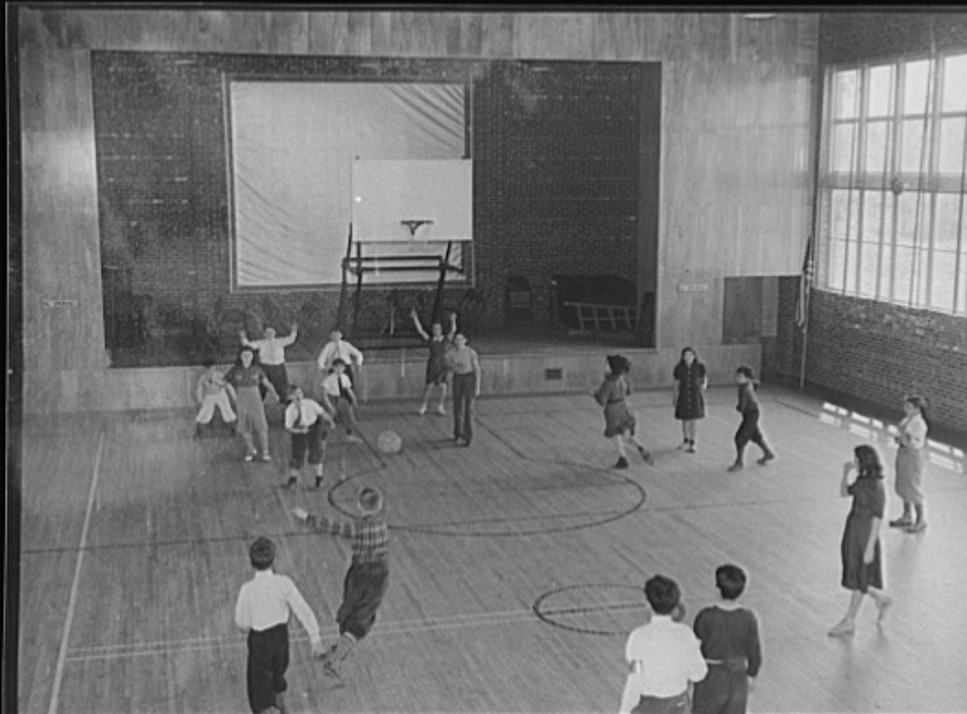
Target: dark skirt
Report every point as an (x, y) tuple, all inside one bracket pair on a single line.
[(858, 575), (618, 419), (268, 658), (363, 591)]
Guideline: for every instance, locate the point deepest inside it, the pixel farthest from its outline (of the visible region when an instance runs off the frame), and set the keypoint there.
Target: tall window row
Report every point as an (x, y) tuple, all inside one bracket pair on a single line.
[(893, 205)]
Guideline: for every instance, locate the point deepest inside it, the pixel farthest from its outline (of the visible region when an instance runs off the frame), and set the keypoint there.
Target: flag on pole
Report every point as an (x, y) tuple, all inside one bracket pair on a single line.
[(805, 286)]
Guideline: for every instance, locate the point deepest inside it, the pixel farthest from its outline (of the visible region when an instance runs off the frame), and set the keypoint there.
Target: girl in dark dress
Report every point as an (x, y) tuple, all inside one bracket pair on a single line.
[(619, 422), (860, 547), (436, 365), (689, 396)]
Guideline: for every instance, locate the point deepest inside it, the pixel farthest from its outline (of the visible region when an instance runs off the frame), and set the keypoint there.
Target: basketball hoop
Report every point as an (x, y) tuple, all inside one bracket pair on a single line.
[(414, 224)]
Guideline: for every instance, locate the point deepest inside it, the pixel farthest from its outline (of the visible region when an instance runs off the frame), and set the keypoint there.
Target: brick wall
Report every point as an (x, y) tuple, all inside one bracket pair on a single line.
[(875, 354), (555, 149)]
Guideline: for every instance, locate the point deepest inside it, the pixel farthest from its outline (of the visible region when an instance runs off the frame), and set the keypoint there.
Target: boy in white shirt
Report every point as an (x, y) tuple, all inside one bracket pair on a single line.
[(665, 656), (262, 611), (338, 348), (339, 399), (309, 425)]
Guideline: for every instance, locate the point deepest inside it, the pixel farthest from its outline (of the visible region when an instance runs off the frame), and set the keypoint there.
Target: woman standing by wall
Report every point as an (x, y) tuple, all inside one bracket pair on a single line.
[(909, 463), (688, 398)]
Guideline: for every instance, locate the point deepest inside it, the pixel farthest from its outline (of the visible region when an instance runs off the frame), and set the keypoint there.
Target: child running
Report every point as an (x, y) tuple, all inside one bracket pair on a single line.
[(213, 391), (309, 424), (731, 646), (367, 577), (262, 612), (748, 407), (619, 421)]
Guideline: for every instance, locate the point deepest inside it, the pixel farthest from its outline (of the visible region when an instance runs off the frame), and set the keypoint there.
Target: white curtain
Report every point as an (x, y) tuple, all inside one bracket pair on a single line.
[(291, 153)]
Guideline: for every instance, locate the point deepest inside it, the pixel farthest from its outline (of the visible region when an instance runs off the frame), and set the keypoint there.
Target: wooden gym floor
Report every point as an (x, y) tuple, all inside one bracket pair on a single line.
[(516, 564)]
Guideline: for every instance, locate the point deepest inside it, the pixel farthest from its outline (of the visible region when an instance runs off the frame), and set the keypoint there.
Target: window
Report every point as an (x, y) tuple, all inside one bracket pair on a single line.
[(892, 204)]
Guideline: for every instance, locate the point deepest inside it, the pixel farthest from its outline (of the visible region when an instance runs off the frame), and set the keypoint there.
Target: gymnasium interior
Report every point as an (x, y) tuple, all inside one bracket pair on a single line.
[(779, 188)]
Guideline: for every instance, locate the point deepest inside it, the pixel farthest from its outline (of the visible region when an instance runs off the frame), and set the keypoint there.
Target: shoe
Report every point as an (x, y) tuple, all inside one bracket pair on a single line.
[(197, 434), (766, 458), (916, 527), (353, 439), (882, 606), (690, 449), (843, 628), (902, 522), (622, 463), (291, 482), (266, 457), (318, 482), (333, 676), (466, 442), (441, 412), (421, 411), (250, 456), (683, 446), (646, 455), (737, 466)]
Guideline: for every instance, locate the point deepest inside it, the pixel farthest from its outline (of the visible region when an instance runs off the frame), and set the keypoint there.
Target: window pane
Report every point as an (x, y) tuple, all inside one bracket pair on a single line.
[(886, 271), (955, 84), (845, 138), (852, 258), (951, 218), (952, 145), (942, 285), (921, 273), (872, 216), (868, 270), (877, 144), (962, 286), (837, 257), (915, 87), (901, 278), (911, 146), (844, 203), (844, 94), (881, 91), (912, 218)]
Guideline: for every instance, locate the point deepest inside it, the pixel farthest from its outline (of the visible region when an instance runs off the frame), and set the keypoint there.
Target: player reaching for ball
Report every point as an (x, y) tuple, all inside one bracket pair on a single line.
[(367, 577)]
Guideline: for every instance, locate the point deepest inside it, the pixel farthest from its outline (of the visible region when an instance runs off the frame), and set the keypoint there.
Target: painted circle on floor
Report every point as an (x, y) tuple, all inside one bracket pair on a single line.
[(594, 608), (532, 497)]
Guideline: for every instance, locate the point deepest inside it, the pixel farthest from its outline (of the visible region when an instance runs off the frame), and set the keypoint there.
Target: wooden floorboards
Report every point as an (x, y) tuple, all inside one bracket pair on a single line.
[(516, 564)]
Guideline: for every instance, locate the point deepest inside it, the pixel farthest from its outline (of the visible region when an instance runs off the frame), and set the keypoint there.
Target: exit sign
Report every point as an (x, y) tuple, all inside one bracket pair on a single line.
[(60, 303), (692, 287)]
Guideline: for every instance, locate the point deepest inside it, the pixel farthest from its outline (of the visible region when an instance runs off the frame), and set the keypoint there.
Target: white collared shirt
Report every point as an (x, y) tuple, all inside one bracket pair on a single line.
[(309, 410), (266, 600), (915, 428), (332, 382), (670, 655), (341, 349), (271, 352)]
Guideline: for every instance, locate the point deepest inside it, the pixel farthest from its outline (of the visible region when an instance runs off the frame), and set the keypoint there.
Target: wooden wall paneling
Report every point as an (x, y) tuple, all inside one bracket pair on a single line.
[(421, 34), (262, 32), (381, 33), (61, 252), (497, 35), (689, 316), (742, 311), (465, 38), (553, 36)]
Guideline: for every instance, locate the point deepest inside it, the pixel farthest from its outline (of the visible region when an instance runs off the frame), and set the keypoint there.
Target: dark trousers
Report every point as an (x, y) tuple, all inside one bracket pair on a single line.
[(268, 658), (363, 591), (464, 390), (749, 431), (279, 378), (662, 705), (313, 442), (723, 691)]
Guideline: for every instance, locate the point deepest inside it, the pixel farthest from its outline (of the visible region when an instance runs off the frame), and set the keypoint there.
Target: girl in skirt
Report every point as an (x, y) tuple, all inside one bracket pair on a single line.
[(619, 422)]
